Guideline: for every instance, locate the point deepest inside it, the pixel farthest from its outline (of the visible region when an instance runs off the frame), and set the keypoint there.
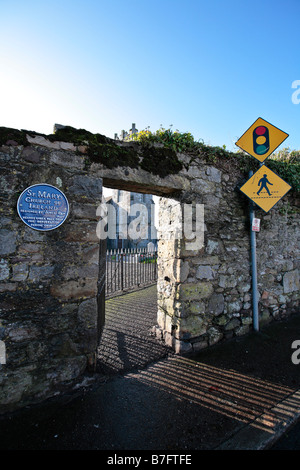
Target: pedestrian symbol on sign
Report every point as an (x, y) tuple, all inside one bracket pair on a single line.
[(258, 188), (263, 184)]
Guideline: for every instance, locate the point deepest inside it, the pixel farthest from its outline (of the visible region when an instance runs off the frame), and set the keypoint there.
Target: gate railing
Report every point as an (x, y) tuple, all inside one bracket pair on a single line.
[(129, 268)]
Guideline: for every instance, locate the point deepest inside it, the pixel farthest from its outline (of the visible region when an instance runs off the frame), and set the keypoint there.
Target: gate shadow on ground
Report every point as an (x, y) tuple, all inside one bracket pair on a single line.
[(239, 397), (127, 342), (224, 388), (176, 403)]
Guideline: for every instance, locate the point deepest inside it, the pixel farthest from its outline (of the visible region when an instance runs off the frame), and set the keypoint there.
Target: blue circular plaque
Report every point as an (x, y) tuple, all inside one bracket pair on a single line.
[(43, 207)]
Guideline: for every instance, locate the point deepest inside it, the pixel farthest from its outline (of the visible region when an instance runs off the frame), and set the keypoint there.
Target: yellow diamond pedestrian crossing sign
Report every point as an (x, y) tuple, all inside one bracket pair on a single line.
[(265, 188), (261, 139)]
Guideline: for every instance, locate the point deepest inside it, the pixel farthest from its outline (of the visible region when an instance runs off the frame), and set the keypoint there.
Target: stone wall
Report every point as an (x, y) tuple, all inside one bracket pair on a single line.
[(205, 295), (49, 321), (48, 280)]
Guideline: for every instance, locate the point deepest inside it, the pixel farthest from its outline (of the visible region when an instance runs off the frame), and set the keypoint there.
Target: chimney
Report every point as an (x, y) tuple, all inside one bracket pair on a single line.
[(57, 127), (133, 129)]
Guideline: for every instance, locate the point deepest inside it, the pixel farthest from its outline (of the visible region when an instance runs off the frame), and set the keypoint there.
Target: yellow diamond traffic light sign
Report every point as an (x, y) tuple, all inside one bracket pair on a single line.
[(265, 188), (261, 139)]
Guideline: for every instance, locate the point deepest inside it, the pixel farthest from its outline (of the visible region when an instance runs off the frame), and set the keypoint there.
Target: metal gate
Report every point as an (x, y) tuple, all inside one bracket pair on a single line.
[(129, 268), (101, 287)]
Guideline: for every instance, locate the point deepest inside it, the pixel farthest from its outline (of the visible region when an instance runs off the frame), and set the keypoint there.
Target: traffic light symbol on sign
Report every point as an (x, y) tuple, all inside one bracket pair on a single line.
[(261, 139), (261, 143)]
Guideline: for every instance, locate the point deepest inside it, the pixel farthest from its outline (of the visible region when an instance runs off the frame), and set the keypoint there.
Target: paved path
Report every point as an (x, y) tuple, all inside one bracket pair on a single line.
[(242, 394), (127, 342)]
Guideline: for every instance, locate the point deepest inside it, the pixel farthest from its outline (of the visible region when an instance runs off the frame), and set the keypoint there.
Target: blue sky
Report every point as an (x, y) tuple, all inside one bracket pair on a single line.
[(206, 67)]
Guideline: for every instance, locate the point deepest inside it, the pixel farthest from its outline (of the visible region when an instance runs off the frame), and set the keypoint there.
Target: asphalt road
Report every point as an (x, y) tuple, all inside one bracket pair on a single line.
[(290, 439)]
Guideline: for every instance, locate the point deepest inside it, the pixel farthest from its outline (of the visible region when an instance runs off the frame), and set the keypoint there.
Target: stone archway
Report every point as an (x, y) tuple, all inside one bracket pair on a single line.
[(164, 217)]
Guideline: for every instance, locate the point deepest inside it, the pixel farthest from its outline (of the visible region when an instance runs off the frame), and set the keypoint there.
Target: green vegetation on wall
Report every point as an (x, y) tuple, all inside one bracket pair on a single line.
[(285, 163), (157, 152)]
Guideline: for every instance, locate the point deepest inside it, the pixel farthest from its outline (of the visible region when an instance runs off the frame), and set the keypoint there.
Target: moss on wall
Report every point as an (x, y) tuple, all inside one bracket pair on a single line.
[(101, 149), (10, 136), (161, 161)]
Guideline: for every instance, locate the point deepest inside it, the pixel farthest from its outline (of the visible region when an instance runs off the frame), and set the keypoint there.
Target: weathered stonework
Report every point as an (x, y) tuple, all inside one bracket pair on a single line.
[(213, 298), (48, 280)]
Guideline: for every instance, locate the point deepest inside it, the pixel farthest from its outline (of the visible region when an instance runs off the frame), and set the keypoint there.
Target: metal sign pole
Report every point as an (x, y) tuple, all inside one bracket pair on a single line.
[(260, 140), (253, 267)]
